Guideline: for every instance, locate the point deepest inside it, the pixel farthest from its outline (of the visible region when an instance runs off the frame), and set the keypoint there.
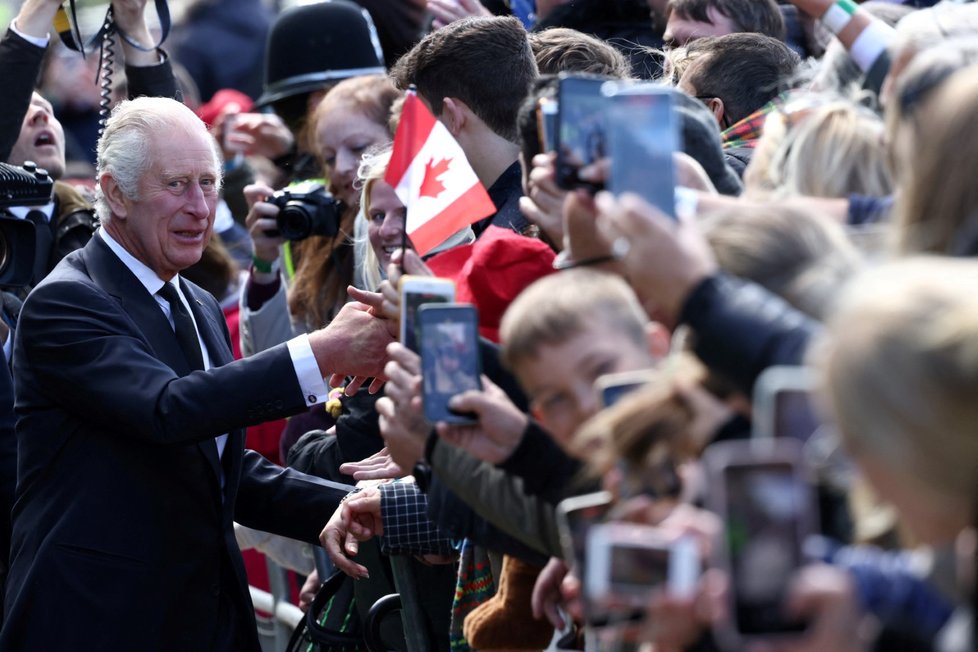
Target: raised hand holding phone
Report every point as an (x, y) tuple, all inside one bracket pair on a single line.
[(763, 493)]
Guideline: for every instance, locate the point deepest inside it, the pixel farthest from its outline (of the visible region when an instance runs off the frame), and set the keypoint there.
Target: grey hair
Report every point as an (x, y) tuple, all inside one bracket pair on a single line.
[(123, 151)]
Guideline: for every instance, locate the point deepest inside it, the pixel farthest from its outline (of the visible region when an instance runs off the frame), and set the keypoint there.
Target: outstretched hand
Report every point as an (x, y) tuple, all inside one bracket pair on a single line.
[(357, 519), (353, 344), (402, 421), (379, 466)]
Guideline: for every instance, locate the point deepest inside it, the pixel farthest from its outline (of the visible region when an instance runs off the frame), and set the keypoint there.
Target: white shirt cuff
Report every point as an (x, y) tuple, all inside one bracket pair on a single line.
[(871, 43), (33, 40), (311, 382), (8, 347)]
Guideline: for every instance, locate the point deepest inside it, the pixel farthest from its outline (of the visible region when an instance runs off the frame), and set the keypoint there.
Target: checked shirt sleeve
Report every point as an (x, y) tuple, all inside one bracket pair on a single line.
[(407, 530)]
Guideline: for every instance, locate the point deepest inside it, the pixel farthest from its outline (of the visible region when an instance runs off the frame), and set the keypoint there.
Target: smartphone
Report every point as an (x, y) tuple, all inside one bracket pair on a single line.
[(581, 129), (415, 292), (575, 517), (450, 363), (643, 133), (783, 405), (627, 561), (612, 387), (765, 496), (547, 124)]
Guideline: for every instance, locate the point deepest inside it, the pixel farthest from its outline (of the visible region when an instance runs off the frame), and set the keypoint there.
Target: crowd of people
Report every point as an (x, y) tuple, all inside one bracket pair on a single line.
[(206, 355)]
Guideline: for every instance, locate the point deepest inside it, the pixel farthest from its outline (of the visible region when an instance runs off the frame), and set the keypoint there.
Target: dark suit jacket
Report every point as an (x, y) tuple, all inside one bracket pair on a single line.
[(122, 534)]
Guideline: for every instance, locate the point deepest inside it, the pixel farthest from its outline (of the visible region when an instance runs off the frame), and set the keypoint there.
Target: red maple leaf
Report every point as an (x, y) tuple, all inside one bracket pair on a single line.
[(430, 185)]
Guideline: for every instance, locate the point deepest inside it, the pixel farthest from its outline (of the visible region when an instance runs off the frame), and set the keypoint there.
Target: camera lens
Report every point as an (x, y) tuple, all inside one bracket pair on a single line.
[(294, 221)]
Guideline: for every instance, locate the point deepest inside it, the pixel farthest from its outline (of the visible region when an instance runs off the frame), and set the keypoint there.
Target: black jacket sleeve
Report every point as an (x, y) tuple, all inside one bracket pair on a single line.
[(20, 65), (549, 480), (741, 328), (153, 81)]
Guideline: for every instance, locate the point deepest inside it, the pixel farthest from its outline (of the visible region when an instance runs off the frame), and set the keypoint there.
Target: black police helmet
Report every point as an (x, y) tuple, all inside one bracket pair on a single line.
[(312, 46)]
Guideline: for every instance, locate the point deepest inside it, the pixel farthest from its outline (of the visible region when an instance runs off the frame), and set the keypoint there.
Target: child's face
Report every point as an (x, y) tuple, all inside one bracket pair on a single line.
[(559, 380)]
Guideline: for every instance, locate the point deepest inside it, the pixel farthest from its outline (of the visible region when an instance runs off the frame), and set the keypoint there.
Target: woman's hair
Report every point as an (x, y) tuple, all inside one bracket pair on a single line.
[(833, 150), (937, 209), (899, 366), (795, 253), (368, 273), (373, 166), (325, 267)]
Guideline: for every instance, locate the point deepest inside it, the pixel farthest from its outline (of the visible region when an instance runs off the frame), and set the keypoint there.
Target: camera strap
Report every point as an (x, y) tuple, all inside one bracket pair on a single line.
[(70, 32)]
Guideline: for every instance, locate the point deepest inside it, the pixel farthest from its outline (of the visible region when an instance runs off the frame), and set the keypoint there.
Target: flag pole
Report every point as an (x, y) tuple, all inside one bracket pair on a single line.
[(411, 90)]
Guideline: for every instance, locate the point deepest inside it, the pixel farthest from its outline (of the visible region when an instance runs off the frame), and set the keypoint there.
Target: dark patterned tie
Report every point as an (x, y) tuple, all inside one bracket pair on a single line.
[(184, 326)]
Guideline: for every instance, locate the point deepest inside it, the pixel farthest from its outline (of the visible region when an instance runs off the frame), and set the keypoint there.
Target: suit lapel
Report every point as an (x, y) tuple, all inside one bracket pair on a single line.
[(110, 274)]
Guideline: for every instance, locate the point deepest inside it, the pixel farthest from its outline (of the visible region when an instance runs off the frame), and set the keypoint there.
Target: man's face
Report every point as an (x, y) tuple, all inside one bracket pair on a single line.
[(42, 139), (171, 221), (680, 31)]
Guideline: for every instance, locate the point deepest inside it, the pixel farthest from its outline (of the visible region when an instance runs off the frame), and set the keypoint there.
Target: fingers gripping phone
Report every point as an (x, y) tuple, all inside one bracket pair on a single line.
[(765, 496), (415, 292), (450, 363)]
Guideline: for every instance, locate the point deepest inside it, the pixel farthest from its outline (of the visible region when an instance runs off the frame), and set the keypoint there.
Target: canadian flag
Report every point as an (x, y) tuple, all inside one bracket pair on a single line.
[(430, 174)]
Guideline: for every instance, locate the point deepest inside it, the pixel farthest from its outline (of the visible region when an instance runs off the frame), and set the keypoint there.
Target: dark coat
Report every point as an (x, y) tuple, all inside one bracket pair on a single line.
[(122, 531)]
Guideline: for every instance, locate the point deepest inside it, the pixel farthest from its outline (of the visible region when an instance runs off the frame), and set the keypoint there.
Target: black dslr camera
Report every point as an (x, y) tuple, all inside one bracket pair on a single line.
[(306, 211), (20, 186)]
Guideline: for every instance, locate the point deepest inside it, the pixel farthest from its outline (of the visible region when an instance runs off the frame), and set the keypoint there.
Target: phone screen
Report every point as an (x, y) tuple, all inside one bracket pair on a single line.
[(582, 137), (547, 124), (450, 360), (574, 523), (765, 504), (639, 567), (611, 394), (642, 135), (411, 301), (794, 415)]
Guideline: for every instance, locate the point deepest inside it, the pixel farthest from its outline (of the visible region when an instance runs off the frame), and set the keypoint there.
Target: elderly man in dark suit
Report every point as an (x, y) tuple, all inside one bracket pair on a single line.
[(131, 413)]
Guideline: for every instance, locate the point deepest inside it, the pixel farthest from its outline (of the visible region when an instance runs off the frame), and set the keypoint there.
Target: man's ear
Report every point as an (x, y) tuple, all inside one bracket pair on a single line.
[(116, 199), (715, 104), (454, 115)]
